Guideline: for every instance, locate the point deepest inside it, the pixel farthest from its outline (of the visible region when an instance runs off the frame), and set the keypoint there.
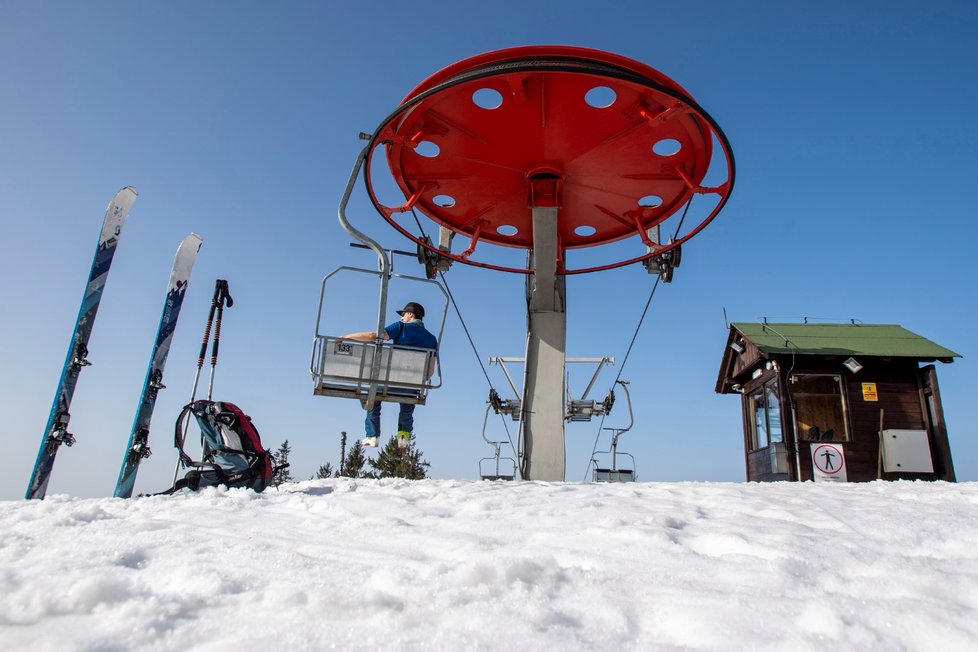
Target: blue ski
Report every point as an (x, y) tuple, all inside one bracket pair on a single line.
[(138, 446), (56, 431)]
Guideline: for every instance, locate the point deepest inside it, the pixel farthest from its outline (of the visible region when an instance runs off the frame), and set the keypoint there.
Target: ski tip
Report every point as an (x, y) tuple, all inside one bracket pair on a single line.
[(123, 201), (192, 240)]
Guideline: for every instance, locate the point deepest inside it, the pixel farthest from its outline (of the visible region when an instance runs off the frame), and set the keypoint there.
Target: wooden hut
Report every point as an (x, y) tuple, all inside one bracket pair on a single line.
[(849, 402)]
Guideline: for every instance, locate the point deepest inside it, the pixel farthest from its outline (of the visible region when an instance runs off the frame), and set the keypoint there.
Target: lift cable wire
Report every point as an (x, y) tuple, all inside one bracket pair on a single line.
[(465, 328), (597, 436), (628, 352), (478, 357), (457, 311)]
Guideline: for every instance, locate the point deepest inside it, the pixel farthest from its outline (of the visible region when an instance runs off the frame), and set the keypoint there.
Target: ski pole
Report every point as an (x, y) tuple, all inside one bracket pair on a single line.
[(219, 287), (223, 295), (203, 344)]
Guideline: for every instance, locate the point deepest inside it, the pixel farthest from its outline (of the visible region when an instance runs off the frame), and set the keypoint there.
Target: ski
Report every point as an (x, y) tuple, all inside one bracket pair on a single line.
[(56, 431), (138, 447)]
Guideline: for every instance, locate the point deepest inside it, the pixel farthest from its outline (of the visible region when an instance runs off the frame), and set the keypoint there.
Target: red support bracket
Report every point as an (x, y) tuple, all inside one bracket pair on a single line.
[(660, 116), (411, 201), (701, 190), (473, 242), (642, 233)]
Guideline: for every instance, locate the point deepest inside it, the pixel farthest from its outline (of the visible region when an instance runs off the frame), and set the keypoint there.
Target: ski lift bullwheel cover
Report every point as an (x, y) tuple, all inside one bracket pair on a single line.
[(627, 143)]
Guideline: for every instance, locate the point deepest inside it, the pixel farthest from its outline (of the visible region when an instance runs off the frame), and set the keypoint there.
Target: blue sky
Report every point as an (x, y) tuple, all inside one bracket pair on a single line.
[(852, 125)]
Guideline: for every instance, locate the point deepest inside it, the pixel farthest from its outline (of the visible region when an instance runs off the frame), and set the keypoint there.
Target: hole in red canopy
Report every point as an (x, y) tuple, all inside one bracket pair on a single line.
[(427, 149), (487, 98), (667, 147), (600, 97)]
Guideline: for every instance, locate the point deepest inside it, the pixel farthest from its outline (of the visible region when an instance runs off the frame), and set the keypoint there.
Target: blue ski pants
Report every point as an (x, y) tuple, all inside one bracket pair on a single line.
[(405, 419)]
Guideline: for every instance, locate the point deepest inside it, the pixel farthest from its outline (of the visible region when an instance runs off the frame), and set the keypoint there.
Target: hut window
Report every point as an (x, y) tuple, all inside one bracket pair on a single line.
[(819, 407), (766, 416)]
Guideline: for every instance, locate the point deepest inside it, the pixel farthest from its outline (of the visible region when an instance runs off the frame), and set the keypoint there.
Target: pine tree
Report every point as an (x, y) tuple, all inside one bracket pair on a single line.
[(395, 462), (354, 461), (281, 456), (325, 471)]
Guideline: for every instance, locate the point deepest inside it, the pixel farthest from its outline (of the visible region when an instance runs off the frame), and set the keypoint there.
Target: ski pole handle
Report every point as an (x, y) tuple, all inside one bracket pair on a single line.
[(223, 293), (223, 297)]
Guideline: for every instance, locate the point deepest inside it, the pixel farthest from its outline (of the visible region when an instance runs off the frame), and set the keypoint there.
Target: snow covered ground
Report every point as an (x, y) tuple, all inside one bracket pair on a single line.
[(451, 565)]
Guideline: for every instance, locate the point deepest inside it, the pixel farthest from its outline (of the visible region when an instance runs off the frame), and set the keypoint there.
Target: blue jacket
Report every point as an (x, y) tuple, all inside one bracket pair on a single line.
[(412, 333)]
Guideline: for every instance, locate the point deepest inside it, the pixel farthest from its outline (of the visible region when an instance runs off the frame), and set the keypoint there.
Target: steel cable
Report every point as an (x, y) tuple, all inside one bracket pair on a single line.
[(628, 352), (468, 335)]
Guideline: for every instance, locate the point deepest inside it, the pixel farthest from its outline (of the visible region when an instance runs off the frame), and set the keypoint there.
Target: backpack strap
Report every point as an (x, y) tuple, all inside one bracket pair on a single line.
[(180, 434)]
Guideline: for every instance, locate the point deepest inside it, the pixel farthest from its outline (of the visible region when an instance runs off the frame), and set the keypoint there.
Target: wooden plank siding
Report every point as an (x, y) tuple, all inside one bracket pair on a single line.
[(898, 392)]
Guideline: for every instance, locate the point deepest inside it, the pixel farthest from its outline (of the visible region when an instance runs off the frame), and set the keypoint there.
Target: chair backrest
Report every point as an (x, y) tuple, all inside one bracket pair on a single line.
[(347, 361)]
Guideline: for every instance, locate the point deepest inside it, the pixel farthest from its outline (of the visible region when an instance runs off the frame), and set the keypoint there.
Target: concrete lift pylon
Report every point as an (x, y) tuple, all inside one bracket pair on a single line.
[(549, 149)]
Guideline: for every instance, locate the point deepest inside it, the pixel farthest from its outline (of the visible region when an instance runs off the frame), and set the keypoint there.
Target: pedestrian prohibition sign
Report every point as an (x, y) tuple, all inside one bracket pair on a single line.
[(828, 463)]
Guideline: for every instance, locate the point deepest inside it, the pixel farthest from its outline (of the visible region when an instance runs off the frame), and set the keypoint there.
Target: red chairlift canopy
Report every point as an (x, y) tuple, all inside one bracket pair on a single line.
[(616, 145)]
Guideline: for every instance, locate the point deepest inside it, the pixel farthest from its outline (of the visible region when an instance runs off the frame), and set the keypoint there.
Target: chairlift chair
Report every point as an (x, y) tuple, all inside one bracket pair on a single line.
[(613, 473), (496, 459), (378, 370)]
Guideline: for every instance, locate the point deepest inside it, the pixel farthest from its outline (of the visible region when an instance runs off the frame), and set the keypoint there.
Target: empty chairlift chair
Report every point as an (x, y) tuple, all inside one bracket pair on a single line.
[(612, 473), (499, 464)]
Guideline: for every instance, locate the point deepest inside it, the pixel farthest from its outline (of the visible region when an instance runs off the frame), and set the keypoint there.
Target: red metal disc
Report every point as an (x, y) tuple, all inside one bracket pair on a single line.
[(622, 145)]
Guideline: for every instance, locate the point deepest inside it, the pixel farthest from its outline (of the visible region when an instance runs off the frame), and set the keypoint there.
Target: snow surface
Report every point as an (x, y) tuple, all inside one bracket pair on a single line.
[(452, 565)]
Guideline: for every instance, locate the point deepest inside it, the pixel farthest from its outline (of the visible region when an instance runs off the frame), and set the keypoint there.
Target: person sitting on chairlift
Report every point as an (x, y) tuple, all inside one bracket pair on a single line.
[(409, 331)]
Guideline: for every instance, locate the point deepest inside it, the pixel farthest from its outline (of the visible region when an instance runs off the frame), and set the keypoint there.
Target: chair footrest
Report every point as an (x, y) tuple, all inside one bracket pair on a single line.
[(360, 392)]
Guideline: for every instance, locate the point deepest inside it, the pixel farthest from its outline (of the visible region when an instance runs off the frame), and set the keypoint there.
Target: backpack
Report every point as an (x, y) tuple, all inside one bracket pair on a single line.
[(232, 451)]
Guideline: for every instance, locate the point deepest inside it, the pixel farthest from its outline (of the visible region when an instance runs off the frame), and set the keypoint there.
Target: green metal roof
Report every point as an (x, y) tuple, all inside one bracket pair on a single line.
[(884, 340)]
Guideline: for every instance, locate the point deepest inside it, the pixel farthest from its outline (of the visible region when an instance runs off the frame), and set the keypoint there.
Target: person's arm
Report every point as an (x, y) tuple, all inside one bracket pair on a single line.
[(365, 336)]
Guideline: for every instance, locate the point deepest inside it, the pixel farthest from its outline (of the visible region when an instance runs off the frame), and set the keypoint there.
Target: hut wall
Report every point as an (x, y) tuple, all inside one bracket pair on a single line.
[(898, 392)]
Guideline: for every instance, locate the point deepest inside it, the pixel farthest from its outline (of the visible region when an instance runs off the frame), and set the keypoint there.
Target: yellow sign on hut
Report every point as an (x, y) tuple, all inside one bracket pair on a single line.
[(869, 392)]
